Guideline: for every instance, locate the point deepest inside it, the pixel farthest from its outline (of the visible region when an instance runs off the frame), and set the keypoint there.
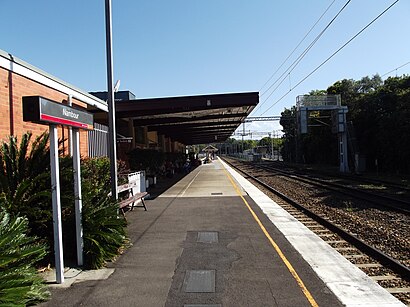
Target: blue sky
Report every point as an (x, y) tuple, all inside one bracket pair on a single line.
[(175, 48)]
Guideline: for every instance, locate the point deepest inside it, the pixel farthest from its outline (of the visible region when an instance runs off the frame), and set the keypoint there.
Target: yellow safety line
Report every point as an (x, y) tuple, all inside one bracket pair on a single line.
[(275, 246)]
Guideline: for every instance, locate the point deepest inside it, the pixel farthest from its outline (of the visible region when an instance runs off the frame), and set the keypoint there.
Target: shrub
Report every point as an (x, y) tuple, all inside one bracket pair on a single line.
[(95, 173), (31, 199), (18, 163), (19, 282), (25, 185), (104, 230), (25, 189), (25, 182), (149, 160)]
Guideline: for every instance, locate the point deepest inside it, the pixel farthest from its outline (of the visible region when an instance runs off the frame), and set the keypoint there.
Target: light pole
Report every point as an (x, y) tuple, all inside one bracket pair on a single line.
[(112, 142), (273, 136), (243, 134)]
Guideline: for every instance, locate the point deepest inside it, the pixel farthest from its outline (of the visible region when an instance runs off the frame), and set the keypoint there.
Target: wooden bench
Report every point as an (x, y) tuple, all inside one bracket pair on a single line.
[(132, 197)]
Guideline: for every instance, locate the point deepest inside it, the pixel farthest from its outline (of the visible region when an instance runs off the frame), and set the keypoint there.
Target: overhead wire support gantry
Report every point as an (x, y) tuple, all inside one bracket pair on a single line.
[(262, 118)]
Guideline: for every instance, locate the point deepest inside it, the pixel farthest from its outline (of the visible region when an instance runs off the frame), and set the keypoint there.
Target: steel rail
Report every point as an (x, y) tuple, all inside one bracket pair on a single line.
[(339, 189), (354, 177), (371, 251)]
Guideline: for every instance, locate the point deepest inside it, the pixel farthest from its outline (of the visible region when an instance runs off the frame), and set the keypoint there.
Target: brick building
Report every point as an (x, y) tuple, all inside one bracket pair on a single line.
[(165, 124), (19, 79)]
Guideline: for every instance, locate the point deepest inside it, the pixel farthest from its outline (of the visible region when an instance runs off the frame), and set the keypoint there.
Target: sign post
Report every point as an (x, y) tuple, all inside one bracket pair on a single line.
[(46, 112), (55, 194), (78, 196), (112, 135)]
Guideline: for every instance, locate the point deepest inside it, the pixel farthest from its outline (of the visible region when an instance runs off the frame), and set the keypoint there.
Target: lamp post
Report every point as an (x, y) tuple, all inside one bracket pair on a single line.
[(112, 143), (243, 134), (273, 135)]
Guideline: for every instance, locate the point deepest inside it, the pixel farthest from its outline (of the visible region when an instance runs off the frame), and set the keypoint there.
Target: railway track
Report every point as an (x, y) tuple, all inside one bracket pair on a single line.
[(390, 273), (380, 200), (404, 186)]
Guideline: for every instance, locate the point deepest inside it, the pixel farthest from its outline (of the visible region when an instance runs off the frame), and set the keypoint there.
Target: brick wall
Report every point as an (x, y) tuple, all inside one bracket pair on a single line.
[(12, 88)]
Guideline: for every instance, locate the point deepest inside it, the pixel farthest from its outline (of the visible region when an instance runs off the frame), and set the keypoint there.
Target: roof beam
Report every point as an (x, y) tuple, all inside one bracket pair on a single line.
[(176, 120), (169, 105), (194, 126)]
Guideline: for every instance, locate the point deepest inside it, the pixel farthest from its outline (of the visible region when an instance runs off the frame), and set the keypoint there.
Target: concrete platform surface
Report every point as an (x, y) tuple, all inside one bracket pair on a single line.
[(351, 285), (202, 225)]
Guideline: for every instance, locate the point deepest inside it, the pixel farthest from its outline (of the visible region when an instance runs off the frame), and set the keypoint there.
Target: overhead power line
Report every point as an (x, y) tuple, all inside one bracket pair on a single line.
[(395, 69), (299, 59), (336, 52), (293, 51)]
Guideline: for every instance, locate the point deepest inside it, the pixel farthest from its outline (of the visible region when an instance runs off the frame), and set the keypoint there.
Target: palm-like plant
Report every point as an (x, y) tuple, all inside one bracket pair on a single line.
[(17, 163), (25, 189), (31, 199), (19, 282), (25, 181), (104, 230)]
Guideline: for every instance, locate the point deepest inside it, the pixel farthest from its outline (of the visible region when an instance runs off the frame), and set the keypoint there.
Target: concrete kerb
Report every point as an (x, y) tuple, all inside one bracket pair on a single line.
[(352, 286), (74, 275)]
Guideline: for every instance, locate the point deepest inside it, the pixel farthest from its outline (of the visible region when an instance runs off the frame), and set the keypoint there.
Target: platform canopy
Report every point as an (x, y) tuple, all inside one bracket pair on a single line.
[(210, 148), (190, 119)]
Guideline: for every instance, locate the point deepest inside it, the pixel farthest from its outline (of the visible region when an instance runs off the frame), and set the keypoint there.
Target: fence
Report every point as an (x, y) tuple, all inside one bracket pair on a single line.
[(98, 141)]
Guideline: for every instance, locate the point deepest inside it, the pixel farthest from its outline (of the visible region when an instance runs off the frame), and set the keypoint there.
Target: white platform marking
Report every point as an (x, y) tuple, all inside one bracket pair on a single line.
[(351, 286)]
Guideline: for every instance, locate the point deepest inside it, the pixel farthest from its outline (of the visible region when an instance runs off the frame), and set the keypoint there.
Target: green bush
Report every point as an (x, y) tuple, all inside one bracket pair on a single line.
[(19, 282), (104, 230), (25, 190), (96, 172), (25, 187), (18, 162), (149, 160), (177, 158)]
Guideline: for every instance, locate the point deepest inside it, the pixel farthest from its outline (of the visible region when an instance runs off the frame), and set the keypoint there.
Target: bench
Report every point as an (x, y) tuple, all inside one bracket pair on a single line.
[(132, 198), (132, 188)]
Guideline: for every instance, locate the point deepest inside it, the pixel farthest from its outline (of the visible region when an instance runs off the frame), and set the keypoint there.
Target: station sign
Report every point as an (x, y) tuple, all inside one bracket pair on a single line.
[(41, 110)]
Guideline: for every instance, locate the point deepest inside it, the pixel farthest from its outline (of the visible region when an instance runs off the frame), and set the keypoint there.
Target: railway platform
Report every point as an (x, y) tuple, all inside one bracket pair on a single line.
[(214, 239)]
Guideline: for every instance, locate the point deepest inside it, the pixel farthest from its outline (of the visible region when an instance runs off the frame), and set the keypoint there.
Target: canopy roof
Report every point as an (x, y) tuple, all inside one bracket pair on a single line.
[(190, 119), (210, 148)]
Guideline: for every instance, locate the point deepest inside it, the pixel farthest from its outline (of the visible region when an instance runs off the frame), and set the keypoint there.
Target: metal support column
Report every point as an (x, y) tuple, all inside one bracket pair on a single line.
[(243, 134), (56, 203), (343, 154), (78, 196), (112, 142), (344, 166)]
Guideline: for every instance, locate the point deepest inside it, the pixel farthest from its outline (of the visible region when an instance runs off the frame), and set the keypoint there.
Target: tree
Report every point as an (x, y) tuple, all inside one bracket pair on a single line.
[(379, 114), (249, 144), (288, 122), (368, 85), (317, 93), (347, 88), (267, 141)]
